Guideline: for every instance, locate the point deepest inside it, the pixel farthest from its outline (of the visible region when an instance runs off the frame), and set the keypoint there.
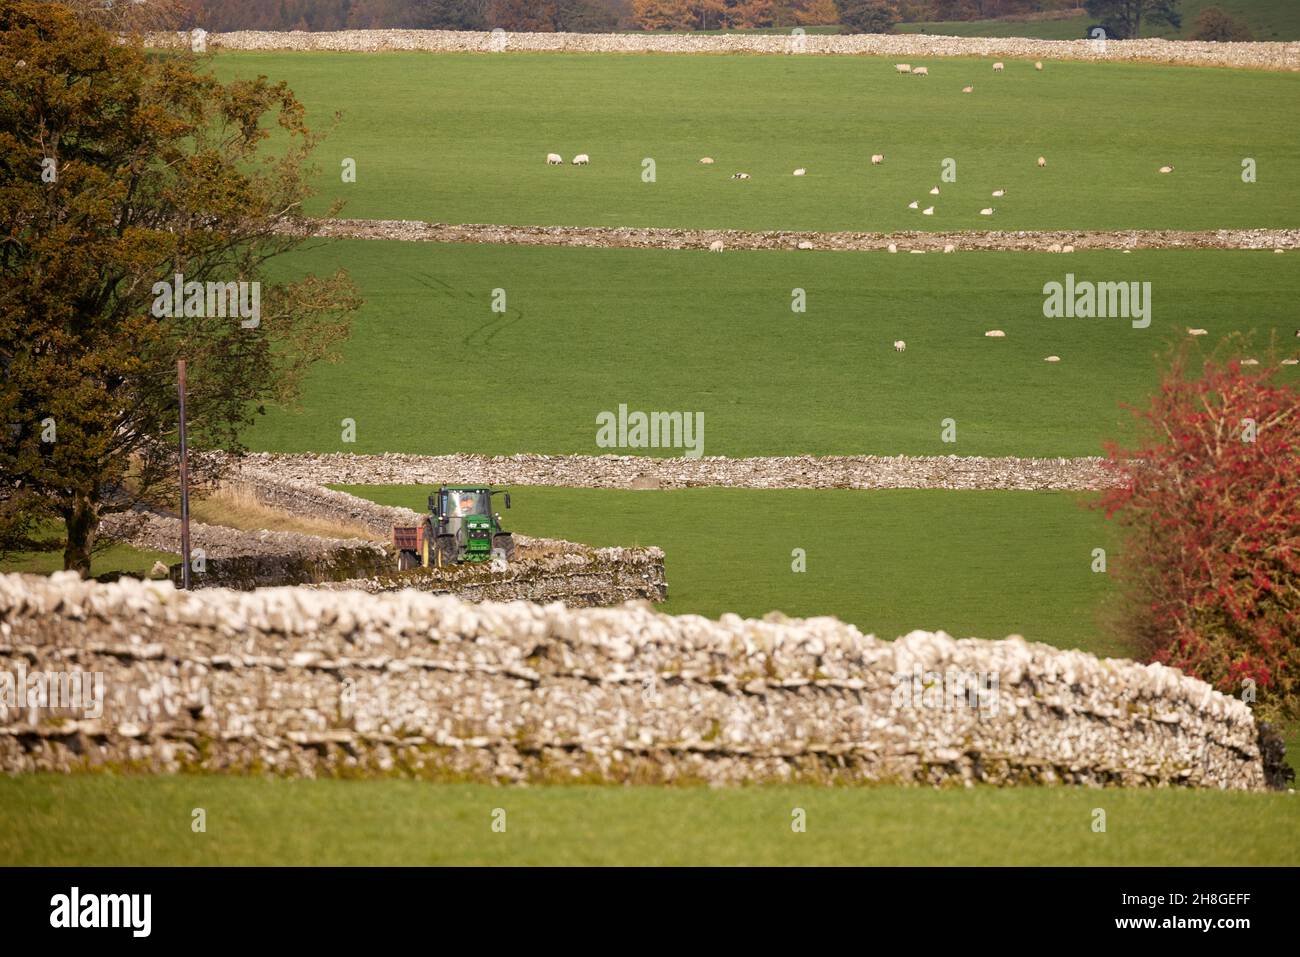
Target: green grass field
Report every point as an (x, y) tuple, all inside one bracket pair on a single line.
[(106, 820), (431, 369), (974, 564), (463, 138)]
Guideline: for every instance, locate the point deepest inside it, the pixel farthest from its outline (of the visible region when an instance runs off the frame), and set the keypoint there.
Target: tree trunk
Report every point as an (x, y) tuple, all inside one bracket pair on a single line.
[(82, 521)]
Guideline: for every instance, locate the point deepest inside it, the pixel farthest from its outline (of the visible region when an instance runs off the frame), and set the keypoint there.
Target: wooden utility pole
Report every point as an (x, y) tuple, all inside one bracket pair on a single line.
[(185, 481)]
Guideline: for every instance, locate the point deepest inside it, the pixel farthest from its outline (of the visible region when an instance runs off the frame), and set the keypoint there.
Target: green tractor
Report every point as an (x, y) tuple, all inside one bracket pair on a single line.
[(461, 527)]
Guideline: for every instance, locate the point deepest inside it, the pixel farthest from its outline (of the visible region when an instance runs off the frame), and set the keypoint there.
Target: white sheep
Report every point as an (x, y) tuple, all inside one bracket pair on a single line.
[(800, 172), (935, 191), (1042, 161), (804, 244), (950, 248), (1250, 362), (716, 246), (1198, 332), (706, 160), (999, 193), (877, 159), (1290, 362), (968, 89), (893, 247), (928, 211), (740, 176), (582, 159), (986, 211), (920, 71), (1038, 64), (995, 334), (913, 205), (1166, 169), (1067, 249), (1052, 359), (900, 345), (997, 67), (554, 159), (902, 68)]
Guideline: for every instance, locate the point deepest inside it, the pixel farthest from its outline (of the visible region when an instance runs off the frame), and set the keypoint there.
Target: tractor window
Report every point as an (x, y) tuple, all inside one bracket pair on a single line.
[(461, 504)]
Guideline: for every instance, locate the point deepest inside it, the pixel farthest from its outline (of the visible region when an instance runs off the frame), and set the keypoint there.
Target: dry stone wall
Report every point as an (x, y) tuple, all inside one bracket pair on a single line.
[(237, 558), (632, 471), (659, 237), (1263, 56), (302, 682)]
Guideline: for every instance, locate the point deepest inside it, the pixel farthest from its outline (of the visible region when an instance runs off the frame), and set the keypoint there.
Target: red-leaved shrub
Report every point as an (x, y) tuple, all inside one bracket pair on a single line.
[(1211, 509)]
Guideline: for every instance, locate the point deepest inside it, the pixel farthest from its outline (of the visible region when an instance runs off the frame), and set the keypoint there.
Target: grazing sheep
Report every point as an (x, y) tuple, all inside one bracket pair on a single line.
[(950, 248), (900, 345), (968, 89), (928, 211), (1278, 252), (1290, 362), (893, 247), (902, 68), (986, 211), (935, 191), (1054, 248), (913, 205), (997, 67), (716, 246), (805, 244), (1166, 169), (1197, 332), (995, 334), (740, 176), (554, 159), (800, 171), (921, 71), (1297, 333), (1250, 362), (877, 159), (999, 193), (1042, 161), (1038, 64), (582, 159), (1067, 249), (1052, 359), (706, 160)]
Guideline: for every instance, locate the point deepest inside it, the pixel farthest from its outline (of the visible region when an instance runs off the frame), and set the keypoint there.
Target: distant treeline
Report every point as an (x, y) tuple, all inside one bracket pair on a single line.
[(583, 16)]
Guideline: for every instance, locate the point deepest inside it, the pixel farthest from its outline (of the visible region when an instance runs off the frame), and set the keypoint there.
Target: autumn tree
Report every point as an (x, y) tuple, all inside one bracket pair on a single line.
[(1209, 498), (132, 16), (1123, 19), (126, 175), (1218, 25), (867, 16)]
